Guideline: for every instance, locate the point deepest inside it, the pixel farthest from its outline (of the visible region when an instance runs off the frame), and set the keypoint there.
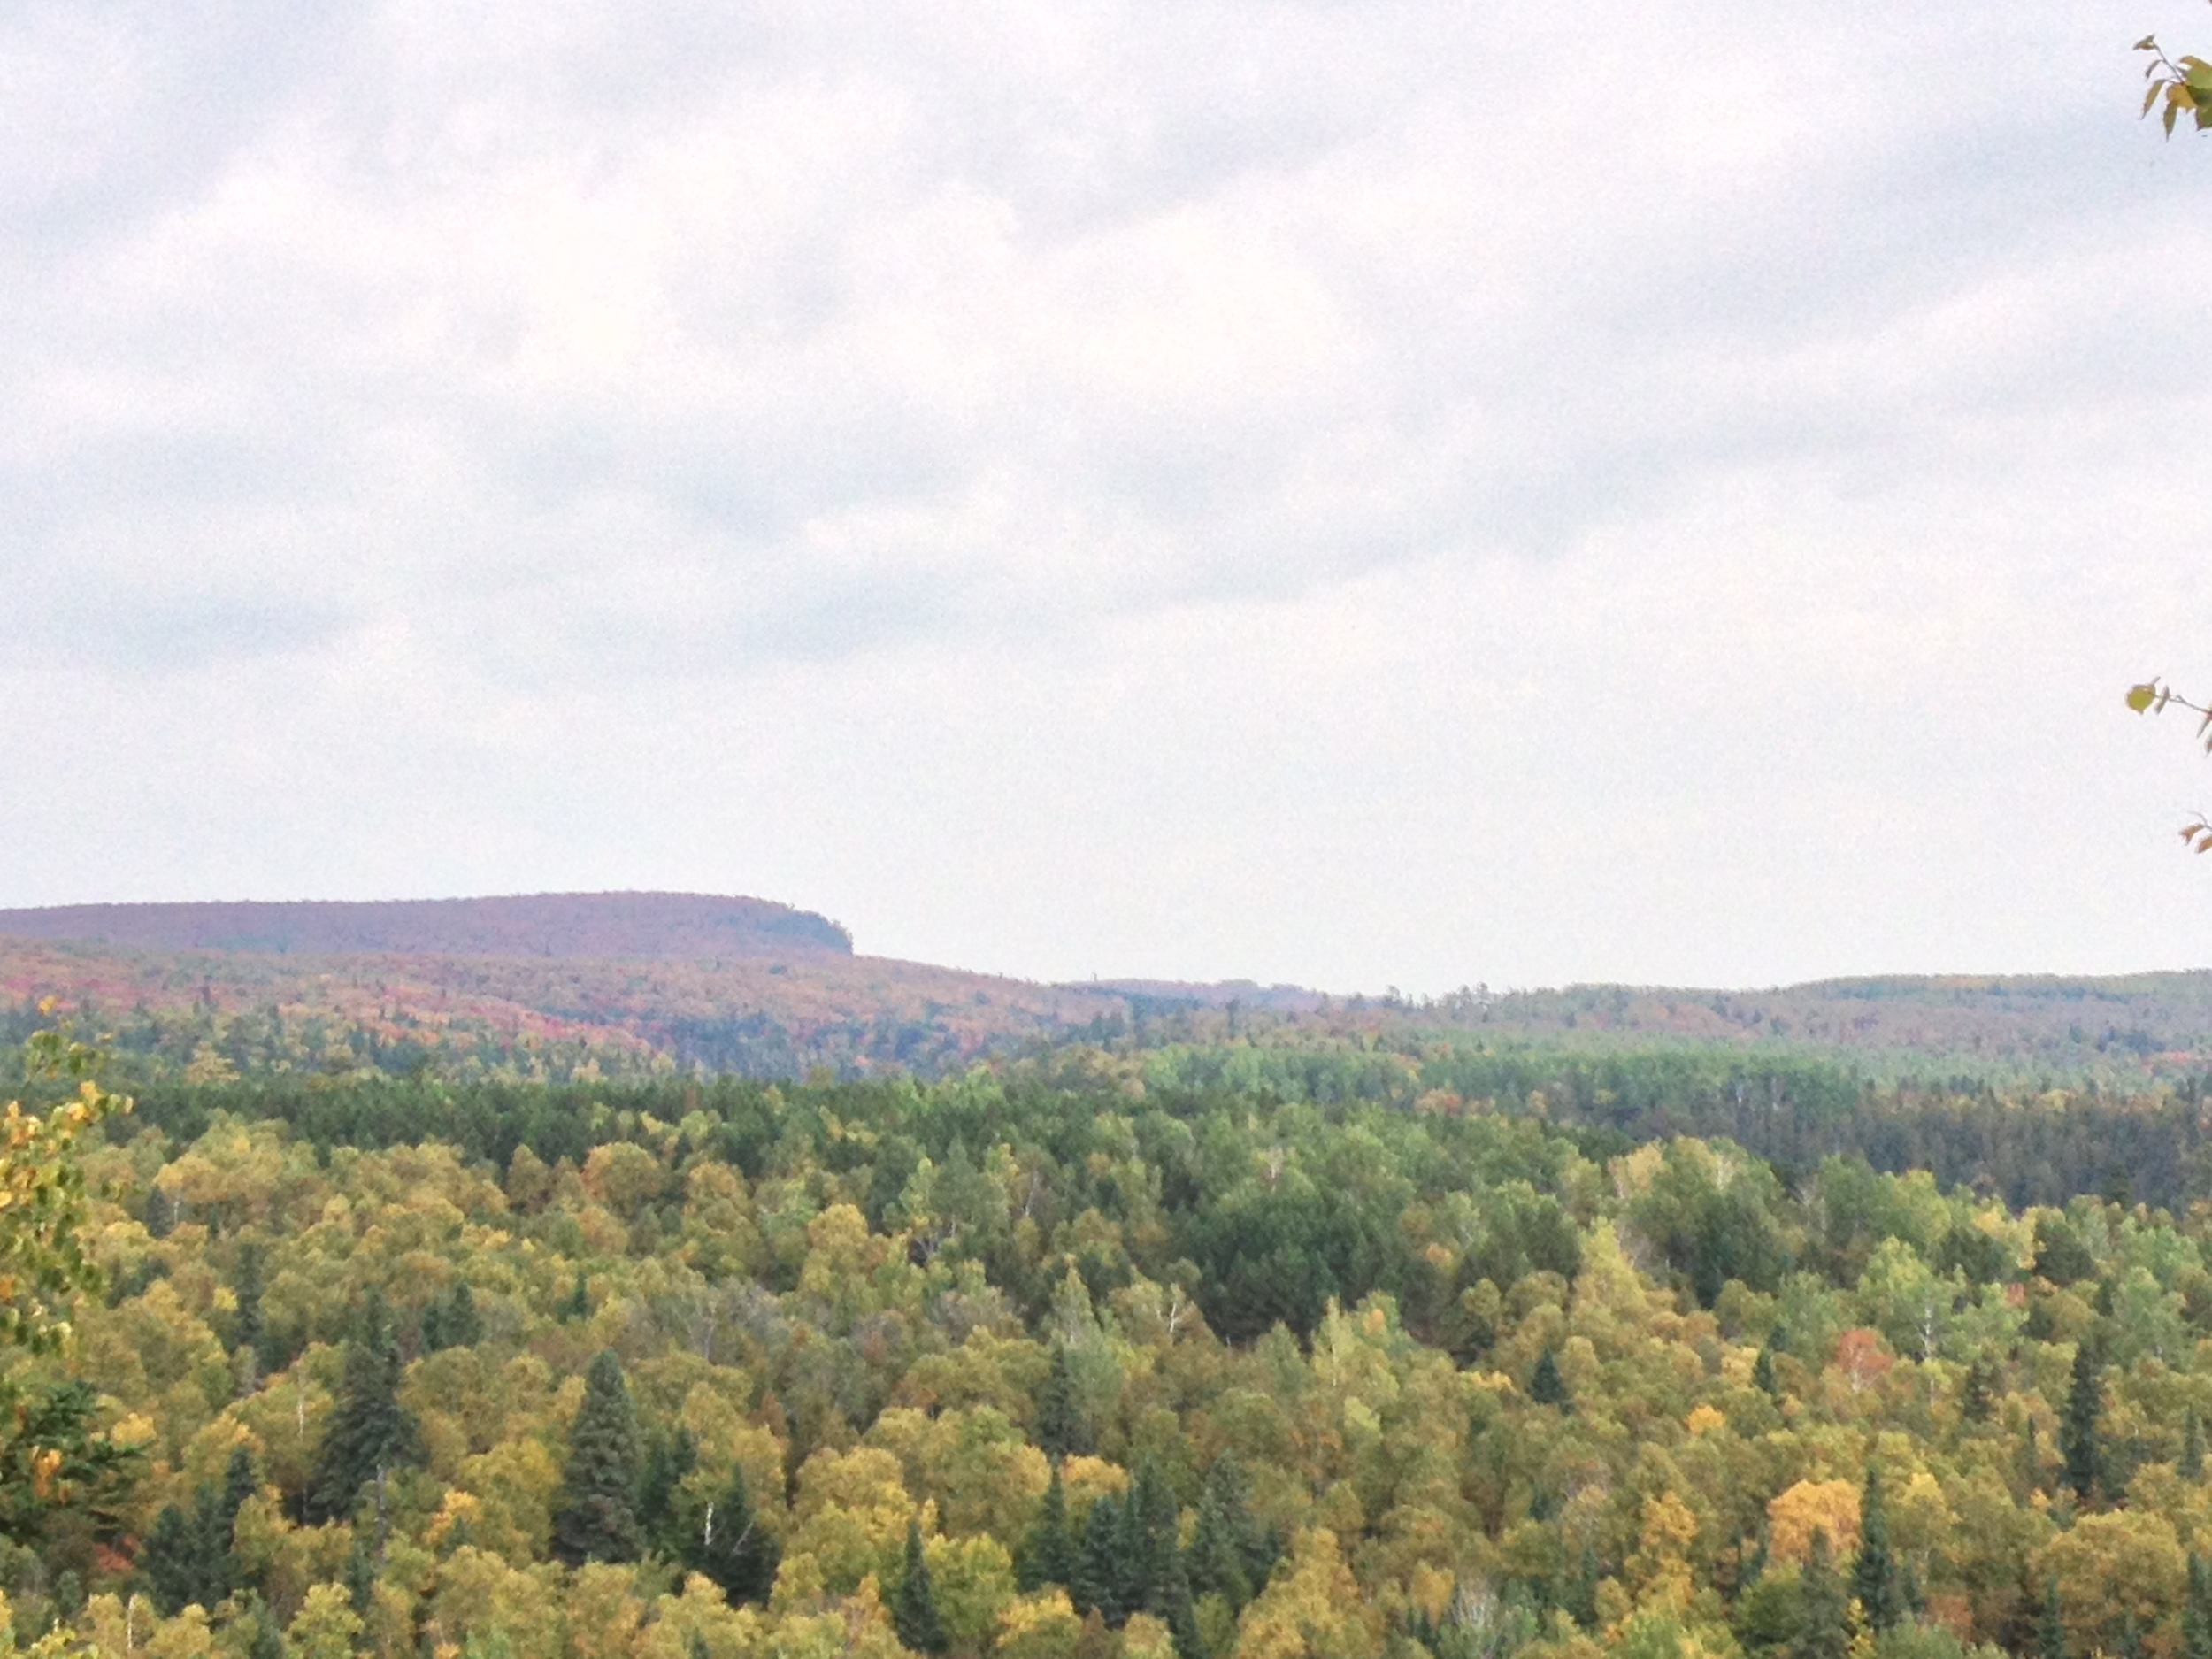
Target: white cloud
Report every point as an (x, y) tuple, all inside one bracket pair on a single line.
[(1358, 493)]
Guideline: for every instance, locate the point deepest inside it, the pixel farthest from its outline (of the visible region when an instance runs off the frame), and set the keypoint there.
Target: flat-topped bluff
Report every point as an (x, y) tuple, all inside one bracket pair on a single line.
[(662, 926)]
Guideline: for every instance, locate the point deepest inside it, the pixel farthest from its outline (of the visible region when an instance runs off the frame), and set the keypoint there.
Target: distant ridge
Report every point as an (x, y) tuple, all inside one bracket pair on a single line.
[(659, 927)]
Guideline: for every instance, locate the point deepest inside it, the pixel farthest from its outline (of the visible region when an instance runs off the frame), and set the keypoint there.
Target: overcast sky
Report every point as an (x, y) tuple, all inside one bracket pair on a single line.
[(1354, 494)]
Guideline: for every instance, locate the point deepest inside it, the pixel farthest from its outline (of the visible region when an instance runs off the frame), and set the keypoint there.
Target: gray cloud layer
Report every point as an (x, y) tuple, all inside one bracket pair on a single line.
[(1392, 492)]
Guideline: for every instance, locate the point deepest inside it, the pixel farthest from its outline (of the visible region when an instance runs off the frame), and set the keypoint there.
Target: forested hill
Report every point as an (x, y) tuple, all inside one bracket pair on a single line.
[(667, 926)]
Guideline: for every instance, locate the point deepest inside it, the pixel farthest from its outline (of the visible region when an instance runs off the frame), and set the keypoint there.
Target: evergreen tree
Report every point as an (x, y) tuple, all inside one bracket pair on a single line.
[(2078, 1430), (1875, 1579), (2130, 1639), (579, 1303), (668, 1459), (368, 1434), (914, 1608), (360, 1577), (1762, 1377), (2030, 1461), (171, 1559), (2196, 1613), (597, 1520), (2193, 1448), (463, 1325), (1824, 1626), (1062, 1431), (1098, 1577), (1048, 1555), (2050, 1631), (246, 1326), (1977, 1400), (731, 1547), (1546, 1387)]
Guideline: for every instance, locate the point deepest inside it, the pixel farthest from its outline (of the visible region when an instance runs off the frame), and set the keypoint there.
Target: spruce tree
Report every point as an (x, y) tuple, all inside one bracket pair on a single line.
[(2050, 1631), (1825, 1627), (360, 1574), (1546, 1387), (1762, 1376), (368, 1434), (914, 1608), (2193, 1448), (579, 1303), (1098, 1576), (668, 1459), (246, 1328), (2078, 1430), (597, 1520), (1048, 1555), (1978, 1399), (170, 1559), (2196, 1613), (463, 1325), (1062, 1431), (731, 1547), (1874, 1580)]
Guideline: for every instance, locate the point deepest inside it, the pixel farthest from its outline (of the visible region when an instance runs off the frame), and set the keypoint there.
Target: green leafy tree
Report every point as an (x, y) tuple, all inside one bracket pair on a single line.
[(597, 1518), (42, 1262)]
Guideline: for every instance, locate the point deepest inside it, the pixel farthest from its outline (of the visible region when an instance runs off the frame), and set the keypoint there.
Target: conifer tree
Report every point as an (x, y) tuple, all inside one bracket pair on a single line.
[(597, 1520), (731, 1547), (360, 1577), (1062, 1431), (2078, 1430), (914, 1608), (579, 1303), (2193, 1448), (463, 1325), (1546, 1387), (2050, 1631), (1978, 1399), (1762, 1376), (1825, 1629), (668, 1459), (246, 1328), (2196, 1613), (1048, 1555), (369, 1434), (1874, 1580), (1098, 1586), (2030, 1461)]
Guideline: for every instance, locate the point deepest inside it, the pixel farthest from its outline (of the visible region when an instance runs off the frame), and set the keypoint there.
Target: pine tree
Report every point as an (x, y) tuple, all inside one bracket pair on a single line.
[(463, 1325), (169, 1558), (2077, 1432), (2193, 1448), (1546, 1387), (1061, 1429), (1978, 1399), (597, 1520), (360, 1574), (2050, 1631), (369, 1435), (1874, 1579), (579, 1303), (668, 1459), (246, 1329), (2030, 1461), (914, 1608), (1762, 1376), (731, 1547), (1825, 1629), (1049, 1555), (1098, 1577), (2196, 1614)]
